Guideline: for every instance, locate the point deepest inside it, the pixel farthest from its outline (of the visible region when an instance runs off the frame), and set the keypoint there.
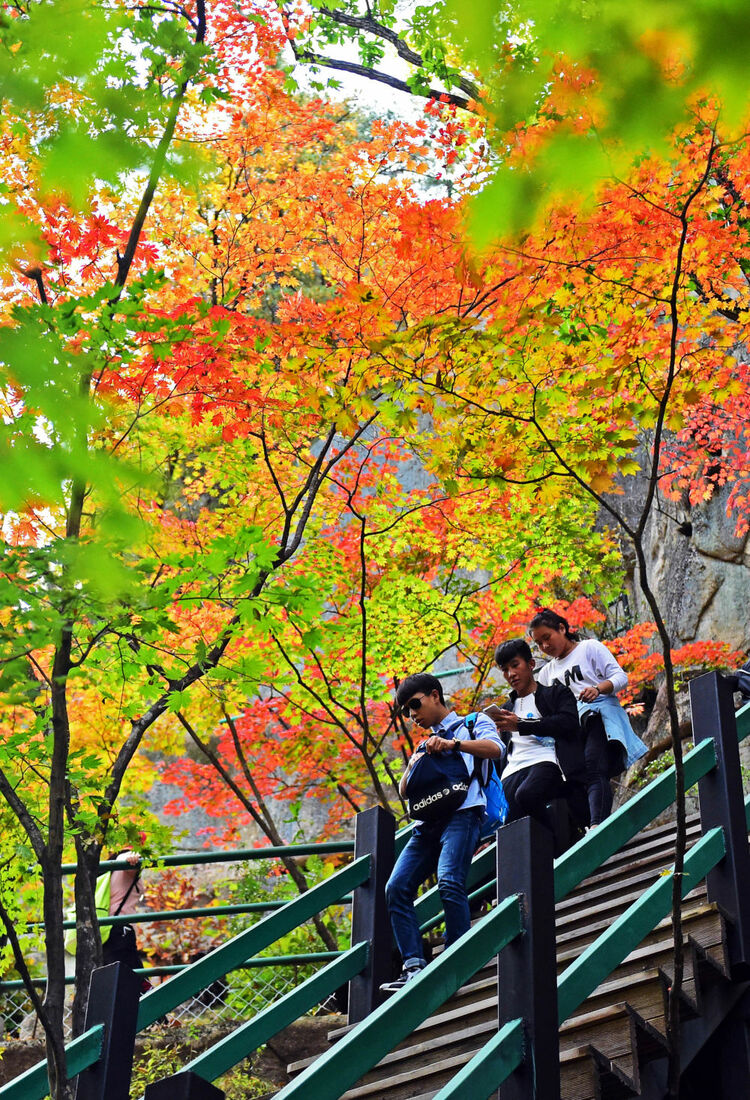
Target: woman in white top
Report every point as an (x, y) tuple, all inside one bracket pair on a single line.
[(593, 675)]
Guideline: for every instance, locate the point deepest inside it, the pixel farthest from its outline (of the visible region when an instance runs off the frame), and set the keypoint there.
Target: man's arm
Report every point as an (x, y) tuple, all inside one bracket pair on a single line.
[(402, 783), (486, 744), (562, 722), (484, 748)]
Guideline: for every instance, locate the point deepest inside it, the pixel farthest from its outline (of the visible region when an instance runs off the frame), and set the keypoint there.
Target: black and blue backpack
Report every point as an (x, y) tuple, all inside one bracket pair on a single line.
[(439, 783)]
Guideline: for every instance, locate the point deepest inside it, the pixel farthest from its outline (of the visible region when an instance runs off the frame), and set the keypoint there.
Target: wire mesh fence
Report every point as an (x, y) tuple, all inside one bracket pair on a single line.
[(192, 930), (17, 1017)]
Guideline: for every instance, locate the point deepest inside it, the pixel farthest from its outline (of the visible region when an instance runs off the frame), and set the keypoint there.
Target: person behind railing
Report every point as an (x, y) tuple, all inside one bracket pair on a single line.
[(118, 940), (739, 680), (588, 668), (447, 844), (539, 725)]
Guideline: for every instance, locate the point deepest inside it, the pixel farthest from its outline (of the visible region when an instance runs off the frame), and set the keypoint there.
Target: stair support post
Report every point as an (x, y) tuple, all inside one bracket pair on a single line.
[(374, 835), (113, 1001), (722, 803), (527, 967)]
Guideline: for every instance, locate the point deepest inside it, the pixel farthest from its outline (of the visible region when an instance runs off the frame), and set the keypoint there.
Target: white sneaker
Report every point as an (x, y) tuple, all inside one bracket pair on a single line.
[(405, 976)]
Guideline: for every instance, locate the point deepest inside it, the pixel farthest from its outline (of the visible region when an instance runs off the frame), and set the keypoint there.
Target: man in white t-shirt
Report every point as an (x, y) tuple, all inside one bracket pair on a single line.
[(540, 728)]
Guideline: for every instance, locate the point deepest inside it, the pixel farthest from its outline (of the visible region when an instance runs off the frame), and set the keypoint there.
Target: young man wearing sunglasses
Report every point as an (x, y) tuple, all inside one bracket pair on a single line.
[(445, 846)]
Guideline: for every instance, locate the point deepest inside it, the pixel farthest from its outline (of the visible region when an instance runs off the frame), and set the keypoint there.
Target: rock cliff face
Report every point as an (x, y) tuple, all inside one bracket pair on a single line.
[(698, 570)]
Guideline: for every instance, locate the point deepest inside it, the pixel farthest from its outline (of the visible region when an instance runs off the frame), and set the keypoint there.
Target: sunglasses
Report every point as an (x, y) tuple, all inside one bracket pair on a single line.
[(413, 704)]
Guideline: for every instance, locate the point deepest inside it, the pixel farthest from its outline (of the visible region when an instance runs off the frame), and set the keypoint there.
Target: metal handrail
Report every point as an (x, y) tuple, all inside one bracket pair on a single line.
[(251, 942), (246, 1039), (606, 953), (370, 1040), (258, 963), (494, 1062), (238, 855), (489, 1067), (157, 1002), (583, 858), (363, 1047), (81, 1053), (154, 916), (497, 1058)]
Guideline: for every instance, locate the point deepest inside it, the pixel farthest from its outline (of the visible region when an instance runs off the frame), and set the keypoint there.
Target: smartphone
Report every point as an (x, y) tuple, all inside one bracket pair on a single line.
[(493, 710)]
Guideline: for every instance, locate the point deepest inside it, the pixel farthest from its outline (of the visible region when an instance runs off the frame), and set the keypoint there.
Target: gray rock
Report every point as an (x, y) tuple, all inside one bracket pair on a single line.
[(697, 567)]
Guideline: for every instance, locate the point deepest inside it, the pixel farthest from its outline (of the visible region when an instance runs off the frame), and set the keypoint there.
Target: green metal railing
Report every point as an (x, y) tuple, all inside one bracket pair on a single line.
[(368, 1042), (157, 1002), (81, 1053), (492, 1065), (238, 951), (624, 934), (338, 847), (236, 855), (253, 1034), (365, 1045), (498, 1058), (583, 859), (495, 1061)]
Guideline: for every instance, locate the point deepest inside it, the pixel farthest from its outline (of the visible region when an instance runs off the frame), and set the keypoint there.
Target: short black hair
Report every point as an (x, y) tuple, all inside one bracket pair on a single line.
[(516, 647), (420, 681)]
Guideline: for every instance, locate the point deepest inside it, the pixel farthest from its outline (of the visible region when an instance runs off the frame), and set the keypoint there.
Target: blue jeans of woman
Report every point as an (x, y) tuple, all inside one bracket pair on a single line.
[(445, 847)]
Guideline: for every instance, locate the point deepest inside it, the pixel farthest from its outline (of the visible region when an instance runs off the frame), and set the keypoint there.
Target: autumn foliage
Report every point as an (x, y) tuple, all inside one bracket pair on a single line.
[(278, 432), (305, 285)]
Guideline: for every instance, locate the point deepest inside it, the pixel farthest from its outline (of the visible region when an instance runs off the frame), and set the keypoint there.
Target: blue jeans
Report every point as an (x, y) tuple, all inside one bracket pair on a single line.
[(447, 848)]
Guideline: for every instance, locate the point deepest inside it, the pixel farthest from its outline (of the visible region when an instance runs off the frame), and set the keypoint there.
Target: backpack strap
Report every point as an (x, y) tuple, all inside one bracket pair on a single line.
[(479, 765), (470, 722), (456, 726), (128, 892)]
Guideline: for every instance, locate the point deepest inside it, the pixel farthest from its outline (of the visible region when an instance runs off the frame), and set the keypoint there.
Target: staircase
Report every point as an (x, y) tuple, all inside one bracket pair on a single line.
[(614, 1045), (581, 944)]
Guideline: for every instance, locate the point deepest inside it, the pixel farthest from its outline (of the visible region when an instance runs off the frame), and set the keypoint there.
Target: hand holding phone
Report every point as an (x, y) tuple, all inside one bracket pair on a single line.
[(505, 720)]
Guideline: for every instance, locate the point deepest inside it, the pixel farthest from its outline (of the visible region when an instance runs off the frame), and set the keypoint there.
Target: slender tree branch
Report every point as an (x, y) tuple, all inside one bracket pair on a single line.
[(125, 261), (356, 69)]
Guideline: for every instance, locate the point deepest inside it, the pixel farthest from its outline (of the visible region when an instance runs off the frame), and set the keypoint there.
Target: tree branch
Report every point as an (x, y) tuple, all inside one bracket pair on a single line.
[(357, 69)]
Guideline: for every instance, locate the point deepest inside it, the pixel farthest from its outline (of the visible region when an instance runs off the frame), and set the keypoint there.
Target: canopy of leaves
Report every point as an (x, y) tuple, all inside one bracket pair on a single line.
[(276, 433)]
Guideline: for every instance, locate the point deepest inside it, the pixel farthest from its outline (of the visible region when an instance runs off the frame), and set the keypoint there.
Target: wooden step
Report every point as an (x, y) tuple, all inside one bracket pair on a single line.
[(633, 884), (404, 1086), (604, 1022), (702, 922), (482, 985), (573, 942), (578, 1075), (654, 843), (619, 1029), (654, 853), (439, 1030)]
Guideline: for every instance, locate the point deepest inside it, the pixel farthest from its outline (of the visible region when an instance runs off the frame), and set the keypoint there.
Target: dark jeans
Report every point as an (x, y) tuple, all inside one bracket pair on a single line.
[(603, 759), (529, 791), (443, 847)]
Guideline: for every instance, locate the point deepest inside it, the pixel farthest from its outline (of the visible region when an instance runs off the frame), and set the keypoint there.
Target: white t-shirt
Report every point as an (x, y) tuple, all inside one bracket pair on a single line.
[(586, 665), (525, 750)]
